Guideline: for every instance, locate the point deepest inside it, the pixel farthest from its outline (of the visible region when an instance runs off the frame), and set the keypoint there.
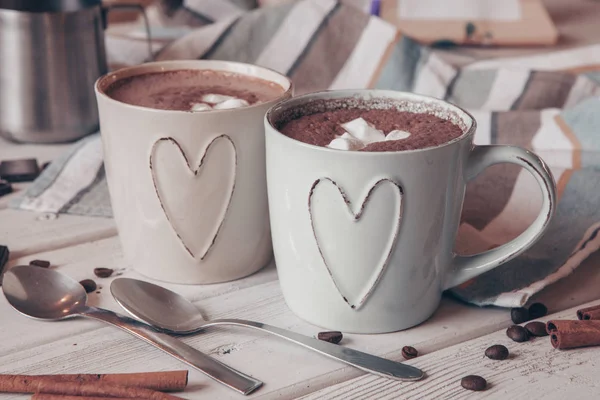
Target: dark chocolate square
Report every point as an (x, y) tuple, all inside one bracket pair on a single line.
[(24, 170)]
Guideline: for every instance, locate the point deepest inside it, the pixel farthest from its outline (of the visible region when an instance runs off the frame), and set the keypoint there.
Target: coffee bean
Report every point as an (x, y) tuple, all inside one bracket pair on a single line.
[(40, 263), (103, 272), (517, 333), (473, 382), (537, 310), (89, 285), (409, 352), (332, 337), (536, 328), (497, 352), (519, 315)]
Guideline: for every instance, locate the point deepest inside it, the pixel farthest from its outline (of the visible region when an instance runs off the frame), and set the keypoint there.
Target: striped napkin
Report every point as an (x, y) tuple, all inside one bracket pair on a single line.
[(547, 103)]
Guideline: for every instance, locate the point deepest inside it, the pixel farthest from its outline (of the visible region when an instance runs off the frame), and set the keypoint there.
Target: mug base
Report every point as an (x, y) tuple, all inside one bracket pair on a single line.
[(206, 279), (397, 323)]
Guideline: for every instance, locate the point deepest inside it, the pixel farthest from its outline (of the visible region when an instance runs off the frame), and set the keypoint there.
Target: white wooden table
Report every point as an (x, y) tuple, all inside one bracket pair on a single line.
[(451, 342)]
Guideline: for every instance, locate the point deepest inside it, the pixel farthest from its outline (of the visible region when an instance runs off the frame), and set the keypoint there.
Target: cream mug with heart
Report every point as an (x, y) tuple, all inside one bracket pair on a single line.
[(363, 240), (185, 165)]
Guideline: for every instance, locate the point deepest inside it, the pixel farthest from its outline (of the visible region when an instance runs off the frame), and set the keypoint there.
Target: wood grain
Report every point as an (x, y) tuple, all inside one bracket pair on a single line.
[(27, 233), (533, 370), (103, 349)]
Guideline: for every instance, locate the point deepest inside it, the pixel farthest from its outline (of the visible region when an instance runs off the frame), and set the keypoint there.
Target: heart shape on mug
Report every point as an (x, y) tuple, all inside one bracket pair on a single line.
[(195, 200), (341, 234)]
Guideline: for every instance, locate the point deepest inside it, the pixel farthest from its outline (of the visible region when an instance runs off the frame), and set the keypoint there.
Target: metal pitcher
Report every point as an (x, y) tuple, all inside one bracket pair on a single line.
[(51, 53)]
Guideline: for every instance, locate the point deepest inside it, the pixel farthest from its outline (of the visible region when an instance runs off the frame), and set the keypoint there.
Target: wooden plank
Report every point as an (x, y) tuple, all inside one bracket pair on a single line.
[(28, 233), (43, 152), (79, 262), (534, 370), (288, 370)]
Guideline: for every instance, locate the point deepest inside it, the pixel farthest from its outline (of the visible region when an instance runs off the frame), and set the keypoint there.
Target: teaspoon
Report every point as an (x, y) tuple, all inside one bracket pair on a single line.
[(49, 295), (173, 313)]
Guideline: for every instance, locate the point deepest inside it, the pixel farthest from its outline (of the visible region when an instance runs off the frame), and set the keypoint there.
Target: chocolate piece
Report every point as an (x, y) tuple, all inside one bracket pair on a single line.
[(517, 333), (103, 272), (24, 170), (5, 188), (519, 315), (497, 352), (536, 328), (40, 263), (409, 352), (4, 253), (89, 285), (332, 337), (473, 382), (537, 310)]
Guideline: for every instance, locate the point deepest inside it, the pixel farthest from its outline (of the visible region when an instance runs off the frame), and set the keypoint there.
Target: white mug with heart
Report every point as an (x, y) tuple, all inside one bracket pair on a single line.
[(363, 241), (188, 189)]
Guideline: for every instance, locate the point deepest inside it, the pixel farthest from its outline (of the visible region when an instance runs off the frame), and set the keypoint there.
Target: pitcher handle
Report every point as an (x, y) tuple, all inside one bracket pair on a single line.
[(482, 157), (132, 7)]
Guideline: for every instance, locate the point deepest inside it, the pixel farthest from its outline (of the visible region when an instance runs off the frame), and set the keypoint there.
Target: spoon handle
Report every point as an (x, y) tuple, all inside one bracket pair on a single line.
[(218, 371), (367, 362)]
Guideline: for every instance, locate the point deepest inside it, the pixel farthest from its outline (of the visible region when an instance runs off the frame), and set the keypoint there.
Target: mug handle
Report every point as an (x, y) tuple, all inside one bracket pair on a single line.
[(482, 157)]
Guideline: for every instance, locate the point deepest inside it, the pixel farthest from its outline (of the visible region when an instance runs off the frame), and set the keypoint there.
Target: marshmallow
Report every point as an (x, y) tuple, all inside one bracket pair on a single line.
[(360, 133), (397, 134), (363, 131), (216, 98), (200, 107), (231, 103), (346, 142)]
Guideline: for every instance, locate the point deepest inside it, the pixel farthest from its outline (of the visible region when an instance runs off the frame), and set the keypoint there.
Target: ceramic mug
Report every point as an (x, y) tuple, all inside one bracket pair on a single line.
[(363, 241), (188, 189)]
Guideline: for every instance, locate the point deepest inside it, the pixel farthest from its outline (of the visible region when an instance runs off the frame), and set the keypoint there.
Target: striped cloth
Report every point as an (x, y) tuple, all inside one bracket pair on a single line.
[(547, 103)]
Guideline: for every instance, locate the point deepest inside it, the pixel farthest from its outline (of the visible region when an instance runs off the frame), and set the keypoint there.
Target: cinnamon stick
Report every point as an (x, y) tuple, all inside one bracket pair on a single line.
[(167, 381), (572, 334), (589, 313), (101, 390), (46, 396)]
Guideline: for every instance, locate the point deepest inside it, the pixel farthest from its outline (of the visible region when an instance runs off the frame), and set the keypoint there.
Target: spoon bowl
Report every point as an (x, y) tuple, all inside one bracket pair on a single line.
[(173, 313), (42, 293), (157, 306), (49, 295)]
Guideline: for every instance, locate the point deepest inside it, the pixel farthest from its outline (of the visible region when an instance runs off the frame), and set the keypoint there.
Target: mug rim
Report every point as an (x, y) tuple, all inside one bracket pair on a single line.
[(245, 69), (365, 94)]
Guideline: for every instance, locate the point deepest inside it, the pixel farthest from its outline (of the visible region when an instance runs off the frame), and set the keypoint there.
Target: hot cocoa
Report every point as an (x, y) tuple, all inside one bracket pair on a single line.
[(193, 90), (383, 127)]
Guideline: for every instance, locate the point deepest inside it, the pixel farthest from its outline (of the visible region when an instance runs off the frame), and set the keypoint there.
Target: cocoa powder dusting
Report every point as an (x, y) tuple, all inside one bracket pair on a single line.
[(180, 89), (321, 128)]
